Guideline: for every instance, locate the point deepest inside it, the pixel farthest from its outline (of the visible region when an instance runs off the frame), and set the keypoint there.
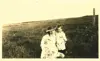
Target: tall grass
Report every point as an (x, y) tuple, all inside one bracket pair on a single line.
[(23, 40)]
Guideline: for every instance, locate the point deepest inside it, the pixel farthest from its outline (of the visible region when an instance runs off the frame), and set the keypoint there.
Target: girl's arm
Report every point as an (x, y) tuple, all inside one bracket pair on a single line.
[(44, 42), (64, 37)]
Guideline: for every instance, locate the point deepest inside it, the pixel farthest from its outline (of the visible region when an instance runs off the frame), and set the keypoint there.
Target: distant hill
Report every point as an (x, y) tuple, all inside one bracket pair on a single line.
[(45, 23)]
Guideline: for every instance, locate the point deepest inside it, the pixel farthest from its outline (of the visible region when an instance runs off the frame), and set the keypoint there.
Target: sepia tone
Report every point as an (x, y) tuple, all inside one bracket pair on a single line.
[(22, 40)]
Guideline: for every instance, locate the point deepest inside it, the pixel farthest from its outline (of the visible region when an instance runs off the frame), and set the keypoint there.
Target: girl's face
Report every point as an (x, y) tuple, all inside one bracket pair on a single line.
[(59, 29), (52, 32)]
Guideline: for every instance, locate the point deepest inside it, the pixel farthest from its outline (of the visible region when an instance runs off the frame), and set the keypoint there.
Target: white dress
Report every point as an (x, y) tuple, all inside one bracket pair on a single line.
[(49, 49), (61, 39)]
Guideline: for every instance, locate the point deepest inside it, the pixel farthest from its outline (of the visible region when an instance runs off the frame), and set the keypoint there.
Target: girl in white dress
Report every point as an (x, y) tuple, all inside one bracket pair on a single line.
[(61, 39), (48, 45)]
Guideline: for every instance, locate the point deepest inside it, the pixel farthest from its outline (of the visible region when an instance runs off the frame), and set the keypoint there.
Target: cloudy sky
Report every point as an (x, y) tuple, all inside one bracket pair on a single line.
[(13, 11)]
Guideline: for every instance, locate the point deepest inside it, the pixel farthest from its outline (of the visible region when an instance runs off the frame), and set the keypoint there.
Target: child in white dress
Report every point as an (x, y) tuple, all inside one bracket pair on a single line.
[(61, 39)]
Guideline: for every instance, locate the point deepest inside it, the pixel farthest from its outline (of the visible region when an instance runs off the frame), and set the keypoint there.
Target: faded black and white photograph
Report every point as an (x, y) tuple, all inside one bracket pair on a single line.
[(61, 31)]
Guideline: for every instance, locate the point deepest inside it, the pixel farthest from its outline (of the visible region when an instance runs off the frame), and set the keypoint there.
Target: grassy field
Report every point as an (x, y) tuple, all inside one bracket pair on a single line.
[(22, 40)]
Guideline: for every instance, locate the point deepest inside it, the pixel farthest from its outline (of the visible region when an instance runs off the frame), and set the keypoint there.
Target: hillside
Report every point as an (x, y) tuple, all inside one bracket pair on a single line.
[(22, 40)]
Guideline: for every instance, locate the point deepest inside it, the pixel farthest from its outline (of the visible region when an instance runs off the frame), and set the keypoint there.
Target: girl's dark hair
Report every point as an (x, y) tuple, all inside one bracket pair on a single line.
[(49, 28), (58, 27)]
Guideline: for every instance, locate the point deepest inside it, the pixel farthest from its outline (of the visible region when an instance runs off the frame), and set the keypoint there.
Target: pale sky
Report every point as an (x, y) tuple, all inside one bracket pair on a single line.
[(13, 11)]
